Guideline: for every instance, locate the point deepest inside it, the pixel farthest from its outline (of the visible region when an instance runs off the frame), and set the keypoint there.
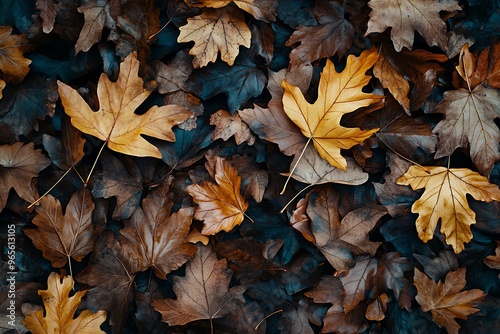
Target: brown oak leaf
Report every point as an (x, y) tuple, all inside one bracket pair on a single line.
[(227, 125), (215, 30), (115, 122), (62, 237), (13, 65), (445, 299), (19, 164), (47, 13), (220, 204), (405, 17), (154, 238), (203, 293), (60, 310)]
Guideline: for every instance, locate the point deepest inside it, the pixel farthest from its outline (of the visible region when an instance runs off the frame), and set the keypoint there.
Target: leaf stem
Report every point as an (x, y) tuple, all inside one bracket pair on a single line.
[(407, 159), (166, 24), (95, 163), (266, 317), (294, 197), (295, 166), (248, 217), (48, 191)]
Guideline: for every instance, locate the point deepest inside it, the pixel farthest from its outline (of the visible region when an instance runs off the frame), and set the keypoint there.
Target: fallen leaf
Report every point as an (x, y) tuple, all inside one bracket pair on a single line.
[(220, 205), (115, 122), (60, 310), (109, 275), (445, 198), (19, 164), (437, 267), (202, 294), (262, 40), (333, 35), (338, 94), (227, 125), (13, 65), (62, 237), (47, 13), (480, 68), (445, 299), (405, 17), (2, 86), (155, 238), (254, 179), (170, 77), (263, 10), (493, 261), (215, 30), (470, 121)]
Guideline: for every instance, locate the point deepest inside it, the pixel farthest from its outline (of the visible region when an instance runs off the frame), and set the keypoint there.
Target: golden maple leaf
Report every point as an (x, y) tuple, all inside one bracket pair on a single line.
[(60, 311), (116, 122), (216, 30), (445, 299), (13, 65), (445, 198), (338, 94), (220, 205)]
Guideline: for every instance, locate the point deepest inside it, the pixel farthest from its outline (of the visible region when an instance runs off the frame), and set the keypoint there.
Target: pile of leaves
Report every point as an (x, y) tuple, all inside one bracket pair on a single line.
[(194, 166)]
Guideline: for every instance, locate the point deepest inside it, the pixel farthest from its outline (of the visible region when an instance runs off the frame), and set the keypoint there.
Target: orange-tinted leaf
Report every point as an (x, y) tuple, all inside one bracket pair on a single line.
[(445, 299), (19, 164), (220, 205), (227, 125), (215, 30), (202, 294), (13, 65), (405, 17), (260, 9), (445, 198), (61, 237), (116, 122), (338, 94), (483, 67), (60, 310)]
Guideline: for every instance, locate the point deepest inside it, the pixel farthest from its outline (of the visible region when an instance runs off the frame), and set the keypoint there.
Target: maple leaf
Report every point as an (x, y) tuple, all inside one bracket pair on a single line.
[(260, 9), (445, 299), (480, 68), (98, 14), (61, 237), (227, 125), (154, 238), (19, 164), (405, 17), (333, 35), (203, 293), (13, 65), (115, 122), (470, 119), (215, 30), (60, 310), (338, 94), (445, 198), (220, 205)]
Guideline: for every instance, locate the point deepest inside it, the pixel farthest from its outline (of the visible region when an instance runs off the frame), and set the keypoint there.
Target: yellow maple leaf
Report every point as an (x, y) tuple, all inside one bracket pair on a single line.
[(445, 198), (221, 29), (220, 205), (60, 309), (115, 121), (338, 94)]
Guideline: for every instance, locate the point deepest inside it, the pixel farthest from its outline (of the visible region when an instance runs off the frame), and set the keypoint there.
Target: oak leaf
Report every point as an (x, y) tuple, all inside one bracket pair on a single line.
[(154, 238), (115, 122), (220, 205), (62, 237), (445, 299), (263, 10), (405, 17), (333, 35), (13, 65), (60, 310), (216, 30), (470, 119), (47, 13), (227, 125), (338, 94), (445, 198), (19, 164), (203, 293)]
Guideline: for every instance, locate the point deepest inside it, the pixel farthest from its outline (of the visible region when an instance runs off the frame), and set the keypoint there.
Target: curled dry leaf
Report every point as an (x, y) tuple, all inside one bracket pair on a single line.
[(62, 237), (216, 30), (445, 198), (227, 125), (60, 310), (19, 164), (220, 205), (445, 299), (115, 122), (338, 94)]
